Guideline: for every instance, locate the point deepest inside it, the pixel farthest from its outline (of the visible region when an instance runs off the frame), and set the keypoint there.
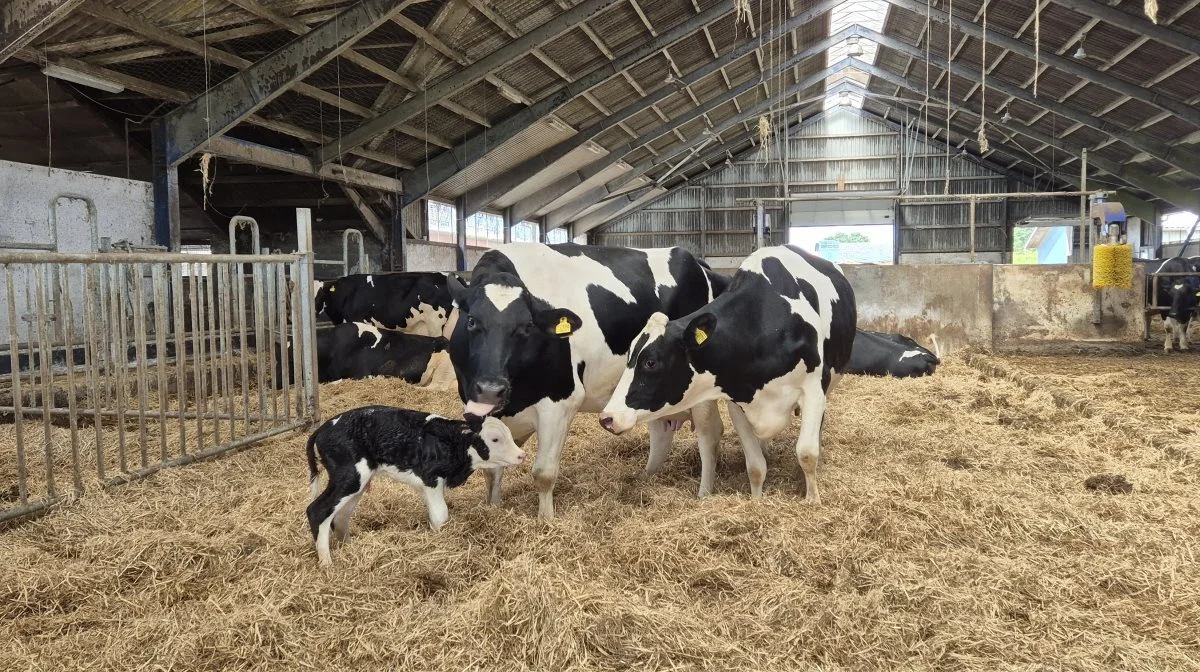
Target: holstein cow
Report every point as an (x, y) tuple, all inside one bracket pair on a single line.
[(543, 334), (414, 303), (358, 350), (777, 338), (879, 354), (426, 452), (1180, 295)]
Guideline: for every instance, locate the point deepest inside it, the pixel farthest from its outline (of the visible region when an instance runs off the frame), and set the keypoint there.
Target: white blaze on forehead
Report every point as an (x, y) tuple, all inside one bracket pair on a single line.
[(370, 281), (502, 296), (1179, 287), (364, 328), (317, 285)]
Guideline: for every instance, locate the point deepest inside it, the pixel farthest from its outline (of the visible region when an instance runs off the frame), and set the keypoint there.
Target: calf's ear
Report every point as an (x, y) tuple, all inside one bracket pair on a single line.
[(558, 322), (699, 330)]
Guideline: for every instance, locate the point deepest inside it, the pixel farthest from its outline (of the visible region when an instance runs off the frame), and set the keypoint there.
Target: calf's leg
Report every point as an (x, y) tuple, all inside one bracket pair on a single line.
[(435, 501), (808, 445), (756, 464), (344, 485), (707, 420)]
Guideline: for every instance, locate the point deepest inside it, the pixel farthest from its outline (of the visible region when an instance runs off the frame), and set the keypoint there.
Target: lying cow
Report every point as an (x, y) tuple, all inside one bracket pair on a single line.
[(543, 334), (777, 338), (879, 354), (414, 303), (357, 350), (426, 452), (1180, 295)]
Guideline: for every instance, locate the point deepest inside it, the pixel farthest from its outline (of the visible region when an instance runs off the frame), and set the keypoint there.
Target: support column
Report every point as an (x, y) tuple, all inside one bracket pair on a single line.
[(508, 224), (166, 190), (971, 207), (760, 223), (703, 222), (399, 236), (1084, 227), (308, 321), (460, 237)]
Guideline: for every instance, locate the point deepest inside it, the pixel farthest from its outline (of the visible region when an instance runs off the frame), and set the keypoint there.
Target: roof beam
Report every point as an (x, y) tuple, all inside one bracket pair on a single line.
[(547, 196), (1182, 110), (429, 176), (1177, 156), (511, 179), (1134, 176), (368, 215), (297, 164), (223, 106), (22, 21), (462, 79), (1134, 23)]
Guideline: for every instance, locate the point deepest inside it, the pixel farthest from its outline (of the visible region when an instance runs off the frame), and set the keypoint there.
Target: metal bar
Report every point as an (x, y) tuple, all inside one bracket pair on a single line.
[(226, 290), (178, 304), (14, 355), (212, 327), (244, 358), (223, 106), (139, 330), (22, 21), (160, 351), (263, 375), (47, 378), (36, 411), (972, 225), (949, 198), (92, 355), (302, 303), (196, 292), (462, 79), (272, 313), (68, 330), (119, 352), (296, 328), (106, 258), (289, 162), (280, 308)]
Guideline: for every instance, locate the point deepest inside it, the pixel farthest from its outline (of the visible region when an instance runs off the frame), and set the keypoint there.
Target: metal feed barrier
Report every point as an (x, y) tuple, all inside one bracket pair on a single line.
[(118, 365)]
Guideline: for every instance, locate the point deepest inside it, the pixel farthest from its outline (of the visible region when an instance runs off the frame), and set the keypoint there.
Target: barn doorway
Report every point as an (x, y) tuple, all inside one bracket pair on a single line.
[(857, 244), (1043, 243)]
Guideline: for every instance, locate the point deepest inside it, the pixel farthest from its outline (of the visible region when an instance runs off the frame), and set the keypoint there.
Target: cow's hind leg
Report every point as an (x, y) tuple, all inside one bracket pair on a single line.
[(1183, 334), (707, 420), (341, 521), (756, 464), (343, 486), (661, 438), (808, 445)]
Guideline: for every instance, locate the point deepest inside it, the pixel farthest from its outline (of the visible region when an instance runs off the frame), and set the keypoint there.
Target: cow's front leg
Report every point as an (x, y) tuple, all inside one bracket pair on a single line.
[(1169, 328), (756, 464), (552, 434), (662, 435), (706, 419)]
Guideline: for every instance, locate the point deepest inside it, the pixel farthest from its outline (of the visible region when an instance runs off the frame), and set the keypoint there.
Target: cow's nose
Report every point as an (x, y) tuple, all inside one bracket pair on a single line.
[(606, 421), (491, 392)]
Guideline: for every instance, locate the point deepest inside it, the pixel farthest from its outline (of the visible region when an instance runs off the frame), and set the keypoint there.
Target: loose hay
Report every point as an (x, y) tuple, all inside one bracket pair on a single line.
[(954, 535)]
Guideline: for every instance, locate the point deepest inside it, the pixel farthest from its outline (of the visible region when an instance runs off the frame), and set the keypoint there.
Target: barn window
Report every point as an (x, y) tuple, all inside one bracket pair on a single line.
[(555, 236), (195, 270), (485, 229), (526, 232), (441, 221)]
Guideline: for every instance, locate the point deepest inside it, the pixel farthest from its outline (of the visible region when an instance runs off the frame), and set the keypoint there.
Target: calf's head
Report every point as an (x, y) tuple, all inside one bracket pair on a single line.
[(664, 373), (501, 331), (494, 447)]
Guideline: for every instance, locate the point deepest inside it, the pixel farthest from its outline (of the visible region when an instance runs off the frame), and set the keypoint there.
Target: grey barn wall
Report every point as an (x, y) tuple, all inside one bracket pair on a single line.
[(840, 150)]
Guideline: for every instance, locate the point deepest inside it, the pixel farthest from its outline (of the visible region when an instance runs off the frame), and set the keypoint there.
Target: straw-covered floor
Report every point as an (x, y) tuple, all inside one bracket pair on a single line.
[(956, 533)]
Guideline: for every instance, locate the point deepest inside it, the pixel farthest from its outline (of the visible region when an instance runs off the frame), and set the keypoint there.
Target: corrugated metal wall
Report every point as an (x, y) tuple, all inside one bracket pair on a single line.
[(840, 151)]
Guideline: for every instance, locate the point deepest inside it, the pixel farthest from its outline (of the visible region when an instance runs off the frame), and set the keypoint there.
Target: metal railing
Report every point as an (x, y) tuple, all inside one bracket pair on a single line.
[(114, 366)]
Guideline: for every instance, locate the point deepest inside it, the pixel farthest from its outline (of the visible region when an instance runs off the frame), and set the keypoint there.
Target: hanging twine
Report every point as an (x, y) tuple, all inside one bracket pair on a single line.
[(742, 11), (206, 176), (1151, 7), (1037, 44), (982, 138), (764, 136)]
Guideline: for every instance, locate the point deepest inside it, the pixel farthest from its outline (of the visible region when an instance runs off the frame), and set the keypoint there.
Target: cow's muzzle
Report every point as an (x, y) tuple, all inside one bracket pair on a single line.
[(487, 396), (617, 423)]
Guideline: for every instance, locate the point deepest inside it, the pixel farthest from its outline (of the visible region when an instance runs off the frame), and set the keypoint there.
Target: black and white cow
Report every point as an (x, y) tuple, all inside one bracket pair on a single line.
[(415, 303), (880, 354), (1180, 295), (358, 350), (543, 334), (776, 339), (426, 452)]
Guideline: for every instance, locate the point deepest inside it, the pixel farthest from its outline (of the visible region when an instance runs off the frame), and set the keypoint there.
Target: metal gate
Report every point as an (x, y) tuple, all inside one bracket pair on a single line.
[(116, 365)]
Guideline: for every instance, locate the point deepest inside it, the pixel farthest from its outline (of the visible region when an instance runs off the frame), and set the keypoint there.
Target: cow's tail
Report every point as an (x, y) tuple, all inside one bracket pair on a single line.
[(314, 485), (937, 349)]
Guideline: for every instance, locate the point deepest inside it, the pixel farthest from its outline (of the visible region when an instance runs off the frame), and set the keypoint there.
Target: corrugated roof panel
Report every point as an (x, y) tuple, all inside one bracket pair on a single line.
[(575, 52), (620, 28), (531, 77)]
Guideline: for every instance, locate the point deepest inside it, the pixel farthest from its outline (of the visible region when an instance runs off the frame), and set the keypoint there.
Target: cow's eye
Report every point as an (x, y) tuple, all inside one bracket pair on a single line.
[(470, 322), (649, 364), (495, 440)]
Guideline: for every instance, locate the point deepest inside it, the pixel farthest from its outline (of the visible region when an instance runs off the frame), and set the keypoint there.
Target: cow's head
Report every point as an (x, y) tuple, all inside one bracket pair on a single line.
[(501, 330), (325, 294), (1185, 296), (494, 447), (664, 373)]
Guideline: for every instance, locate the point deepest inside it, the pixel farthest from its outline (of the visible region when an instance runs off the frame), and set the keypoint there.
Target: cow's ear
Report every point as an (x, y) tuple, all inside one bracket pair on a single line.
[(699, 330), (558, 322), (458, 291)]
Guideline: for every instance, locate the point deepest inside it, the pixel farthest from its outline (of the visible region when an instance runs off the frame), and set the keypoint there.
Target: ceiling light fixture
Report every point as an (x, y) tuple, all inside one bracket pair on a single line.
[(853, 48), (1081, 53), (511, 95)]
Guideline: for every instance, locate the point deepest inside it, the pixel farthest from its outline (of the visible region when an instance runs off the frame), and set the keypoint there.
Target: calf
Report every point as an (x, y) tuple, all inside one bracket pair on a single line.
[(357, 350), (777, 338), (879, 354), (544, 334), (1181, 297), (415, 303), (427, 452)]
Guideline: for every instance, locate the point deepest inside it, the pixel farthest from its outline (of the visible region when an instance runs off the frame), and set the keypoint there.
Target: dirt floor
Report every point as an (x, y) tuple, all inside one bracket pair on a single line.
[(956, 533)]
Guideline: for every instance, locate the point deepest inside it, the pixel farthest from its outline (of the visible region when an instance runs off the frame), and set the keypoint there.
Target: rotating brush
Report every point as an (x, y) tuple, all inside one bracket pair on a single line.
[(1112, 266)]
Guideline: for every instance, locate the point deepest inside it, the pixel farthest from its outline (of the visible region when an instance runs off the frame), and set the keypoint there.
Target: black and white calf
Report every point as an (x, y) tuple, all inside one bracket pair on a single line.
[(1180, 295), (426, 452), (358, 350), (777, 338), (880, 354), (543, 334), (415, 303)]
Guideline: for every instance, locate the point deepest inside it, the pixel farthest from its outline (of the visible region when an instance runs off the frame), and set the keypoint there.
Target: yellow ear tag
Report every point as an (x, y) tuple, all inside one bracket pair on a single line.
[(563, 326), (701, 336), (332, 289)]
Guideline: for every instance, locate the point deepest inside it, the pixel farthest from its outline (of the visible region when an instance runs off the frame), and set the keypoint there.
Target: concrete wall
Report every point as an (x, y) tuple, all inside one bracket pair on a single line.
[(427, 256), (1034, 305)]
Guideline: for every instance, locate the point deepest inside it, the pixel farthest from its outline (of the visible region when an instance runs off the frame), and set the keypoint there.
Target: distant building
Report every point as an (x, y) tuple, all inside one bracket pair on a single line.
[(855, 253), (1053, 244)]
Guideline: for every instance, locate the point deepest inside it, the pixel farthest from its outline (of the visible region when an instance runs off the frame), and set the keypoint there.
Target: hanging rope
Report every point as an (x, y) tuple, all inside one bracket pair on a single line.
[(1037, 44), (206, 180), (1151, 8), (982, 136), (949, 77), (742, 11), (925, 105), (764, 135)]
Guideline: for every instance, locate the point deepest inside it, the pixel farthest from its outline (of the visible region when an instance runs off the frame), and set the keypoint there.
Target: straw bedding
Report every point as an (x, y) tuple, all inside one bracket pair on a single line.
[(956, 533)]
